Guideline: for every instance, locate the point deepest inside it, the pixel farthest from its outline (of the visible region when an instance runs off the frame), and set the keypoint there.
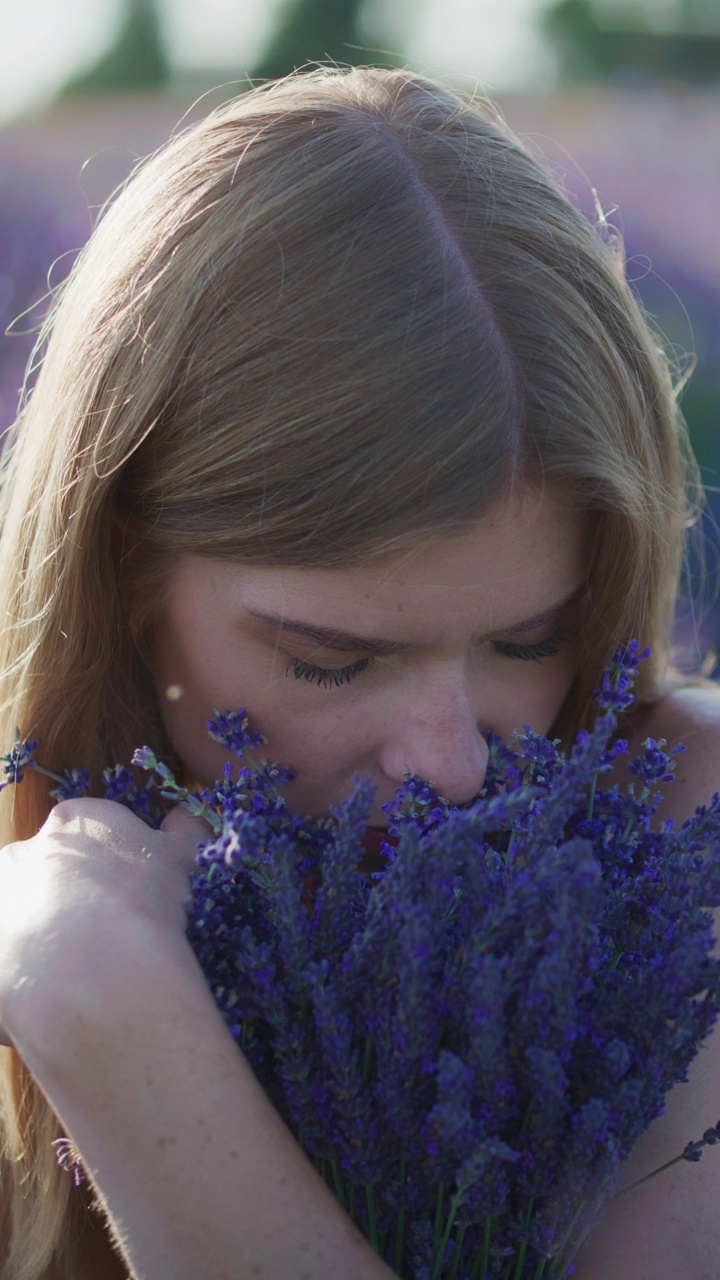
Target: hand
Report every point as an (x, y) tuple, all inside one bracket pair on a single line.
[(101, 995), (93, 869)]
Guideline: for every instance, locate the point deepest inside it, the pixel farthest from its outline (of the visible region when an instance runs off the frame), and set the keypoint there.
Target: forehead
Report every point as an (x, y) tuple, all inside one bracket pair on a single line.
[(524, 556)]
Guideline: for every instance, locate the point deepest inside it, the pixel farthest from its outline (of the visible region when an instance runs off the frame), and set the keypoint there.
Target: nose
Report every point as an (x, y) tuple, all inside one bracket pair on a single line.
[(439, 740)]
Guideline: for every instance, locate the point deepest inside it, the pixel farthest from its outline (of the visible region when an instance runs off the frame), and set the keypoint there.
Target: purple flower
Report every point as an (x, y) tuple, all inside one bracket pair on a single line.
[(654, 765), (615, 692), (230, 729), (693, 1151), (499, 1013), (75, 783), (122, 786), (69, 1159), (20, 757)]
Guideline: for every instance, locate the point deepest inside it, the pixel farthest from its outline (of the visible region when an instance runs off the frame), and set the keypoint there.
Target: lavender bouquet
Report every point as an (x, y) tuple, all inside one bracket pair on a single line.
[(467, 1043)]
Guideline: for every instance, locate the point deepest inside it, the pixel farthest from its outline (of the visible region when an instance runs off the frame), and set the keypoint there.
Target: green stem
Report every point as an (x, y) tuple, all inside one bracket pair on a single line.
[(646, 1178), (592, 1218), (458, 1251), (591, 800), (372, 1222), (565, 1242), (479, 1271), (400, 1222), (515, 1273), (48, 773), (438, 1209), (520, 1261), (450, 1223), (337, 1182), (560, 1275), (438, 1250)]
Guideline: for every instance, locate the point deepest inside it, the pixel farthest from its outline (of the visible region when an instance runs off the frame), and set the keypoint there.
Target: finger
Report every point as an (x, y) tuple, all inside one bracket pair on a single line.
[(189, 832)]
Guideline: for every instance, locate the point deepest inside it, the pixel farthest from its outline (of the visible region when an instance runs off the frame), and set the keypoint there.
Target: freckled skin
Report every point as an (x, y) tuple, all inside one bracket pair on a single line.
[(426, 708)]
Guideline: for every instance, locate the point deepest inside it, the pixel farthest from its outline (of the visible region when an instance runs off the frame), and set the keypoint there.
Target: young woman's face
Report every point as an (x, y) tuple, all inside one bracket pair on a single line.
[(405, 662)]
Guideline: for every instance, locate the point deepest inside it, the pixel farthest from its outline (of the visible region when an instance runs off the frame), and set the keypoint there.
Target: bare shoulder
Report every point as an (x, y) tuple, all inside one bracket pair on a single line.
[(689, 709), (670, 1225), (688, 714)]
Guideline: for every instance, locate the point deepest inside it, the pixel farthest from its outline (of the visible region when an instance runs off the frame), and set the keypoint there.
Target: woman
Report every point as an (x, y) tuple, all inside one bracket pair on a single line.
[(349, 417)]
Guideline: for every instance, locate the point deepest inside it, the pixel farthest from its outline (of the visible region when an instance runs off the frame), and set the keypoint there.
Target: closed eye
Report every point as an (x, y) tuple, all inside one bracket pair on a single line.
[(325, 677), (533, 652)]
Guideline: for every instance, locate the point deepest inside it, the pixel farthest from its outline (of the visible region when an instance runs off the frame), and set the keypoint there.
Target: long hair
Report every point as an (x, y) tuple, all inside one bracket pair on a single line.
[(343, 313)]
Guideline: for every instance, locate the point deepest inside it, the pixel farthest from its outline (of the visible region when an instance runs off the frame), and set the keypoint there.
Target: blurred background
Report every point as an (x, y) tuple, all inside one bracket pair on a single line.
[(621, 96)]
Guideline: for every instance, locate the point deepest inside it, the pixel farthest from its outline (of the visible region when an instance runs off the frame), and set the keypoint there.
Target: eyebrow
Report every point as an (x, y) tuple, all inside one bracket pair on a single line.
[(350, 642), (547, 615), (344, 641)]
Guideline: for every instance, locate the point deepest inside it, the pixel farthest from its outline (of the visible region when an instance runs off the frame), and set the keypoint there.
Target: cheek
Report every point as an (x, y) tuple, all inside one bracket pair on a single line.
[(196, 667), (321, 742), (535, 695), (186, 697), (556, 690)]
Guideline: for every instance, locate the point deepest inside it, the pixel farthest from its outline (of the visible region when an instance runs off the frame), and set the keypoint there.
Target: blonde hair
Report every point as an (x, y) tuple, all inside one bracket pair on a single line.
[(345, 312)]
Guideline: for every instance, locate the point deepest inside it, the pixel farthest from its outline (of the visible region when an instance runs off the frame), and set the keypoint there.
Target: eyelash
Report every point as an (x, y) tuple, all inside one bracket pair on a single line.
[(533, 652), (334, 677), (325, 677)]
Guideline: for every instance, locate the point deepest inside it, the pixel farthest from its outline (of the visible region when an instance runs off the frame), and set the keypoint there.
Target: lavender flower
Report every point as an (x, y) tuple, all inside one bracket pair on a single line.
[(122, 786), (70, 784), (615, 692), (469, 1044), (654, 765), (230, 729), (75, 783), (20, 757), (694, 1150), (69, 1159)]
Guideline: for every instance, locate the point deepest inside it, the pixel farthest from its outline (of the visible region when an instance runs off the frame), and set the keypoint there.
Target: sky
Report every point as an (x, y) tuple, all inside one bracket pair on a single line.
[(43, 42)]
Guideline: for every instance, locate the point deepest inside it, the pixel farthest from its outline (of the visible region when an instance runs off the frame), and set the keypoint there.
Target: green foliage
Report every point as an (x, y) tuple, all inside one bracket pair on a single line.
[(137, 59), (320, 31), (593, 43)]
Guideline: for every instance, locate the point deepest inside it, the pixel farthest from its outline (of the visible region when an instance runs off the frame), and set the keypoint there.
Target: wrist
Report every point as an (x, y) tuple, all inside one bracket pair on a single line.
[(138, 1065), (86, 995)]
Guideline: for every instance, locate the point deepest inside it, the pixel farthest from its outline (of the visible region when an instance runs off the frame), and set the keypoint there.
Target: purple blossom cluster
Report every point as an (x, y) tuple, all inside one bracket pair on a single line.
[(21, 757), (467, 1043)]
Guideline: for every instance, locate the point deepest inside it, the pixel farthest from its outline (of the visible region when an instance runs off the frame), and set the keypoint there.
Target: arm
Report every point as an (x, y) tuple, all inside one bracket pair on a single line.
[(197, 1173), (671, 1224)]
